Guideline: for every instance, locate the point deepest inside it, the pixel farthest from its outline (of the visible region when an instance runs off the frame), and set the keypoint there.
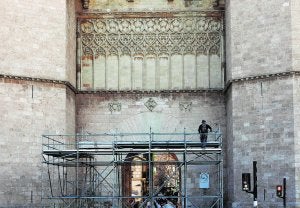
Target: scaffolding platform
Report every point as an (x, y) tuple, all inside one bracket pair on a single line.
[(111, 170)]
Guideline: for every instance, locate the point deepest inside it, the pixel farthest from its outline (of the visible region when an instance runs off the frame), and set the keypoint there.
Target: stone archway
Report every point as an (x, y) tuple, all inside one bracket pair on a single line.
[(136, 177)]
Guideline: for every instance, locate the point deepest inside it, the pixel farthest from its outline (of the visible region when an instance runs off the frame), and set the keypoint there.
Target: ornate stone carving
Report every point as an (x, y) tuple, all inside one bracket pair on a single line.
[(219, 4), (150, 104), (114, 107), (185, 106), (85, 4), (173, 35)]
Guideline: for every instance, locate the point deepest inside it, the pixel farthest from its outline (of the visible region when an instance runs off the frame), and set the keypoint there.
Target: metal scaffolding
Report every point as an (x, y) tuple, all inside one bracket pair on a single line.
[(119, 169)]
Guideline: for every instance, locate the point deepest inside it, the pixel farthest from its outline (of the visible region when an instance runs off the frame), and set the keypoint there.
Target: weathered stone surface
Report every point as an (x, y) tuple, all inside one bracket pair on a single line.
[(295, 15), (258, 37), (28, 110), (181, 51), (262, 118), (94, 115), (262, 130), (37, 42), (34, 39), (149, 4)]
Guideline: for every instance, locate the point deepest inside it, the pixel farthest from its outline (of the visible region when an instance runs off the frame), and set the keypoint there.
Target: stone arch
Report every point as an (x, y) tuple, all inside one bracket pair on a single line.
[(136, 178)]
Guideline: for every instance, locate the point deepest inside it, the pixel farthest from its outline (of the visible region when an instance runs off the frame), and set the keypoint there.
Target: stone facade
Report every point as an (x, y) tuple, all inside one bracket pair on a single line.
[(28, 110), (94, 113), (113, 5), (258, 111), (34, 47), (262, 127), (35, 39), (168, 113), (262, 100), (151, 51), (253, 43)]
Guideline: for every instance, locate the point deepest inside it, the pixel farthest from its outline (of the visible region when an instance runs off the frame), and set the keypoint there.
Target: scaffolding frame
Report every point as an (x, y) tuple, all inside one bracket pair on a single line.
[(88, 172)]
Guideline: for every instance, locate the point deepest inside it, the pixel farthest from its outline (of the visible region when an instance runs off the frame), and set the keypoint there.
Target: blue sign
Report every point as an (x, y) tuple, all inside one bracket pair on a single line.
[(204, 180)]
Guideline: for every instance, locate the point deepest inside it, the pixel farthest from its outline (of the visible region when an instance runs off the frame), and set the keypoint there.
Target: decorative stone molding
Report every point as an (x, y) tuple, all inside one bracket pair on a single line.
[(191, 33), (219, 4), (85, 4), (185, 106), (76, 91), (37, 79), (261, 77), (114, 107), (150, 104)]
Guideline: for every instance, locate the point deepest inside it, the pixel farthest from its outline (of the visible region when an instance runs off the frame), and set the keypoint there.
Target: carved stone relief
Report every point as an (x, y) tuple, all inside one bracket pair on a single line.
[(180, 35), (150, 104), (157, 51), (185, 106), (114, 107), (85, 4)]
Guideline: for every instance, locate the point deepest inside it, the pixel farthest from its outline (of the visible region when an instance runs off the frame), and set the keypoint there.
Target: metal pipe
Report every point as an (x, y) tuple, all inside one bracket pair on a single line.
[(254, 184), (185, 171)]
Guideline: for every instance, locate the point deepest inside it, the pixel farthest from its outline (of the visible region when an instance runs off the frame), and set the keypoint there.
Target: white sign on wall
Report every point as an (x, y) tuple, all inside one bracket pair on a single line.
[(204, 180)]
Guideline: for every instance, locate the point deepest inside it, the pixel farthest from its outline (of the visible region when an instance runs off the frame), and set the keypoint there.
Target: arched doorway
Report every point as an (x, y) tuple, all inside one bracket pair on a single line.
[(155, 177)]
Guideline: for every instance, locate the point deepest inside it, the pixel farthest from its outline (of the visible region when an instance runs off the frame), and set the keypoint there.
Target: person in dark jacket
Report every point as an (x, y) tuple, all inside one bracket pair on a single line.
[(203, 130)]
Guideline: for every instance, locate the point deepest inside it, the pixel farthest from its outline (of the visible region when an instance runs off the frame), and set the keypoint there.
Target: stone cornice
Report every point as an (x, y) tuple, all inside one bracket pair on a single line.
[(36, 79), (194, 91), (148, 13), (76, 91), (211, 90), (260, 77)]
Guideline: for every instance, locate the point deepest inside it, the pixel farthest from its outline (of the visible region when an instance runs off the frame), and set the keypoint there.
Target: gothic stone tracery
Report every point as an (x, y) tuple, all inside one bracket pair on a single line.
[(155, 36), (160, 52)]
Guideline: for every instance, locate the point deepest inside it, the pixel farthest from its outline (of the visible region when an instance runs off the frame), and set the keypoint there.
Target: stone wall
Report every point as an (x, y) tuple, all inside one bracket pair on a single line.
[(295, 13), (148, 4), (261, 39), (258, 37), (28, 110), (70, 37), (173, 112), (229, 164), (262, 123), (296, 103), (36, 43)]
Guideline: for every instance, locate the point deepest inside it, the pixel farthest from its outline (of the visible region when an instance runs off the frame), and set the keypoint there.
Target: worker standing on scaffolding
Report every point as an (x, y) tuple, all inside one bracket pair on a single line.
[(203, 131)]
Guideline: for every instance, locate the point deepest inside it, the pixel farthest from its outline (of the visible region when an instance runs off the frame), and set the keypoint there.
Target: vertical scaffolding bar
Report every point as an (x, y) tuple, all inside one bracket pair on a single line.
[(150, 171), (77, 172), (114, 174), (185, 170)]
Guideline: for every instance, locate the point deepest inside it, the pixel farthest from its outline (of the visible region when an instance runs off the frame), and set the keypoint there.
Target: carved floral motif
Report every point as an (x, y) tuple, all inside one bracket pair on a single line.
[(172, 35)]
